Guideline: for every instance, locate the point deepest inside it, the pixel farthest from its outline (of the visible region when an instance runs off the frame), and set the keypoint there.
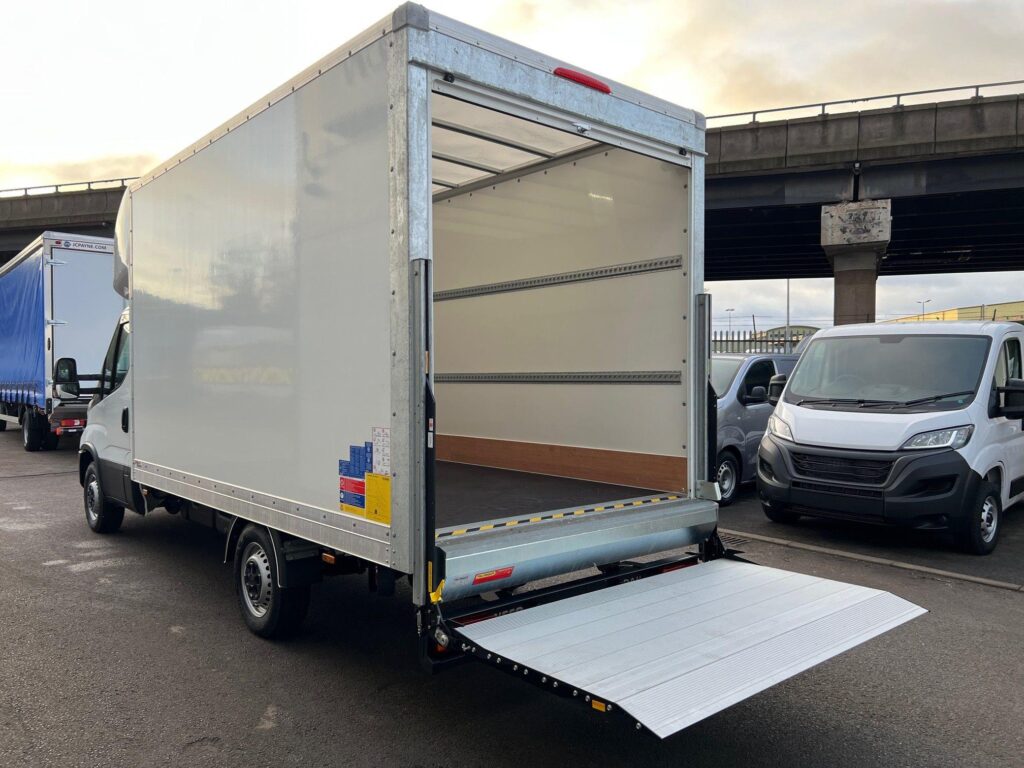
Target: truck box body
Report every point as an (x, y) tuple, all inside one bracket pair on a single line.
[(55, 301), (379, 232), (434, 306)]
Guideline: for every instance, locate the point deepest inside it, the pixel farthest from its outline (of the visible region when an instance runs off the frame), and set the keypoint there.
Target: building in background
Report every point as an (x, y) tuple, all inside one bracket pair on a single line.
[(1007, 310)]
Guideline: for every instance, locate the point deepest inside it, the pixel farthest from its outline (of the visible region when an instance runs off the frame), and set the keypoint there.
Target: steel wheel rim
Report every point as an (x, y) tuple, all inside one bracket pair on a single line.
[(726, 479), (92, 496), (256, 580), (989, 519)]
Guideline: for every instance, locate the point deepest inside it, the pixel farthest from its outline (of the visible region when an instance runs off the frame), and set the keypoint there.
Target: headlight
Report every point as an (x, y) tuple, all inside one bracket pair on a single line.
[(955, 437), (779, 428)]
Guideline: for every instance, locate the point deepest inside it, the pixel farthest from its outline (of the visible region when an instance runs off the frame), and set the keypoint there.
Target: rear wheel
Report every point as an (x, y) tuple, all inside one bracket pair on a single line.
[(269, 610), (728, 476), (101, 515), (3, 424), (50, 441), (979, 533), (32, 432), (778, 513)]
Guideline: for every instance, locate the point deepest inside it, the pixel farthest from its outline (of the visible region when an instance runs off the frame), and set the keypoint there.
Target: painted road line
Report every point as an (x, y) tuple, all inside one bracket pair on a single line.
[(877, 560)]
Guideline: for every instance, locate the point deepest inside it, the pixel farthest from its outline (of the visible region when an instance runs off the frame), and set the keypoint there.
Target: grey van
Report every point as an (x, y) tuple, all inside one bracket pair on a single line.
[(741, 383)]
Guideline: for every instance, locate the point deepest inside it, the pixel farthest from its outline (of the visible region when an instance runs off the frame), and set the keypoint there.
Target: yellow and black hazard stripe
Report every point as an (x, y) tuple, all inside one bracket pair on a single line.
[(555, 516)]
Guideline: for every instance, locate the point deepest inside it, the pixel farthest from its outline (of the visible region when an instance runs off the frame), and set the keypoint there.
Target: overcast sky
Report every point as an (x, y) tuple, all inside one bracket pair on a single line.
[(106, 88)]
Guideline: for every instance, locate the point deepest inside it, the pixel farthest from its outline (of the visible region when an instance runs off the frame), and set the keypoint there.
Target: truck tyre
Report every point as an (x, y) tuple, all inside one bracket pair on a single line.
[(50, 441), (102, 516), (3, 412), (269, 610), (32, 433), (979, 533), (778, 513), (727, 473)]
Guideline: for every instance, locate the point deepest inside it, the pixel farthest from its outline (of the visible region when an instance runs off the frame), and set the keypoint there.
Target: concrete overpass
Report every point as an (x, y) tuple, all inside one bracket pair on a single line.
[(950, 173)]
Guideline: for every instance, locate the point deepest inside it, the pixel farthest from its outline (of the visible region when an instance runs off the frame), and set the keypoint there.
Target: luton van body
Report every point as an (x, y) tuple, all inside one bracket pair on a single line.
[(431, 312), (56, 304)]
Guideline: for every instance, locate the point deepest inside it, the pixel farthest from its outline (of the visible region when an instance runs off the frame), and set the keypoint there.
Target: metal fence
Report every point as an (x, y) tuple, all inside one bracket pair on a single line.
[(741, 342), (897, 99), (71, 186)]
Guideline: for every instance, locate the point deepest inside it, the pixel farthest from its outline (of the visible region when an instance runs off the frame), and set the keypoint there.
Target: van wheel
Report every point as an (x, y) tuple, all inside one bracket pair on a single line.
[(269, 610), (728, 476), (980, 533), (31, 433), (101, 515), (778, 513)]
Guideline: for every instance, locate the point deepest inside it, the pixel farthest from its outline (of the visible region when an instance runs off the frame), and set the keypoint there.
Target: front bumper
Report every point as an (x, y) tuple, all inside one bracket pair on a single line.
[(931, 489)]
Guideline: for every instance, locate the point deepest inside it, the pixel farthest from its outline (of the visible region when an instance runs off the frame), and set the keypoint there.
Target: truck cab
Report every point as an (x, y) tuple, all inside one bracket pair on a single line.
[(914, 425)]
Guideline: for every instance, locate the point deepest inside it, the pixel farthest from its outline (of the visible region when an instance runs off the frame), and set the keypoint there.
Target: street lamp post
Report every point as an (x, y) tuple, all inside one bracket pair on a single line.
[(922, 303), (730, 310)]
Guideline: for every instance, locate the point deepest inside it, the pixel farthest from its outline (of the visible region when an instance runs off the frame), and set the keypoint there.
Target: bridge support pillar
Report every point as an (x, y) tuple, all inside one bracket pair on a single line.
[(855, 236)]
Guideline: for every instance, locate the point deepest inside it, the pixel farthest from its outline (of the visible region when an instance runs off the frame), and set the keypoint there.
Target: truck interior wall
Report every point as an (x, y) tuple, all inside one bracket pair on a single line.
[(599, 208), (261, 320)]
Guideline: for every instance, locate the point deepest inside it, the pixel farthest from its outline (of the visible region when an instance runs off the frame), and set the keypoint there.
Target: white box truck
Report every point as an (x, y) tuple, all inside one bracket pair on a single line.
[(56, 306), (431, 311)]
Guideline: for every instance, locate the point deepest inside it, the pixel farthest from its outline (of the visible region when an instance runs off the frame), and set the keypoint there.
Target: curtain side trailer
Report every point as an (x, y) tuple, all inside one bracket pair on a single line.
[(56, 305), (432, 311)]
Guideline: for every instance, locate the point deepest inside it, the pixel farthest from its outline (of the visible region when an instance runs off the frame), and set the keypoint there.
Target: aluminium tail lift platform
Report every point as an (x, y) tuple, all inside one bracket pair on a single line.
[(662, 645)]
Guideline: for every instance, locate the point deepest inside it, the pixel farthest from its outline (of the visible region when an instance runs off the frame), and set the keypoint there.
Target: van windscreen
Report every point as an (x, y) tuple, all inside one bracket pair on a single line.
[(915, 372)]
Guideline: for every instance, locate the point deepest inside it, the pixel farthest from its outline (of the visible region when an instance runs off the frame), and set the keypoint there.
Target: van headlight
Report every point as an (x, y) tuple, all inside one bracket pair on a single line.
[(779, 428), (955, 437)]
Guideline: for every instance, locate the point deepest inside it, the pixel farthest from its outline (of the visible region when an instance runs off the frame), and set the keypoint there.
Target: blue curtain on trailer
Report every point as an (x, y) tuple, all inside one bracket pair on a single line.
[(23, 333)]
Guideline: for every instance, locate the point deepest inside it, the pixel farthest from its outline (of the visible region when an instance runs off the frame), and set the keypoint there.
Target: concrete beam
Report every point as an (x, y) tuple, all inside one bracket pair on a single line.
[(915, 132)]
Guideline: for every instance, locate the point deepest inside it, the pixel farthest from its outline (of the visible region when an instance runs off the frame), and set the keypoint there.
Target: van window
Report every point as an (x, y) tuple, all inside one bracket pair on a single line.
[(723, 371), (124, 355), (759, 375), (1008, 365)]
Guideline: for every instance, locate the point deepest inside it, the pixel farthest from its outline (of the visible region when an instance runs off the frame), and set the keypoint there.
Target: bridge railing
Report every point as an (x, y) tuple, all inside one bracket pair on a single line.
[(73, 186), (898, 99)]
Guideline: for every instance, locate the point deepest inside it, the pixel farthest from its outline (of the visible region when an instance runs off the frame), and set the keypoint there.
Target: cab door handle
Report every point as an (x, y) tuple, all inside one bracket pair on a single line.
[(124, 420)]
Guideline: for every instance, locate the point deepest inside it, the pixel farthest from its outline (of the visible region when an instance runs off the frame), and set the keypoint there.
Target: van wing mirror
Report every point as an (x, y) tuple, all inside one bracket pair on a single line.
[(65, 378), (776, 384), (1013, 399)]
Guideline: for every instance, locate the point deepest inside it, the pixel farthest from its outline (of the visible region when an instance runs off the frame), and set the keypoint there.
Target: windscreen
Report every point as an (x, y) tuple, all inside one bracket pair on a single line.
[(723, 371), (890, 371)]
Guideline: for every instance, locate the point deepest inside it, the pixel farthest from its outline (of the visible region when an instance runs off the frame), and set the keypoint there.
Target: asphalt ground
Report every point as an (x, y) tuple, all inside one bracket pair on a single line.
[(128, 650)]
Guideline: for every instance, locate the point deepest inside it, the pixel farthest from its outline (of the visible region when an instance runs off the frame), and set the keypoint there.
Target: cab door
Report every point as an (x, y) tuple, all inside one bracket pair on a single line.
[(110, 417), (754, 413), (1007, 433)]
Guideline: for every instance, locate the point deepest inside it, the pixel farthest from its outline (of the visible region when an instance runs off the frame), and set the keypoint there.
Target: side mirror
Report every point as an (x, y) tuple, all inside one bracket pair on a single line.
[(1013, 399), (65, 378), (756, 395), (776, 384)]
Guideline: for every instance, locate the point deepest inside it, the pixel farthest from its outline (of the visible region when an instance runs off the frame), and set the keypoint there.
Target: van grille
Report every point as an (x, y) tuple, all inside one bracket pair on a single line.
[(868, 471)]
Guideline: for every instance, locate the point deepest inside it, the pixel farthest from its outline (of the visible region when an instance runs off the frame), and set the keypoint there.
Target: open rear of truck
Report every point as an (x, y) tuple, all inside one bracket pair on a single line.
[(436, 306)]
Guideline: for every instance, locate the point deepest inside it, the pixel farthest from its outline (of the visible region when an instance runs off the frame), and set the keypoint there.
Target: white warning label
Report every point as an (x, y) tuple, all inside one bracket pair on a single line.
[(382, 450)]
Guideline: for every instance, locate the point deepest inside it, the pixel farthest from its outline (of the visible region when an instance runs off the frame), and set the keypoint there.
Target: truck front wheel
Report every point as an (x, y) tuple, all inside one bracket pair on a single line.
[(269, 610), (101, 515), (979, 533)]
